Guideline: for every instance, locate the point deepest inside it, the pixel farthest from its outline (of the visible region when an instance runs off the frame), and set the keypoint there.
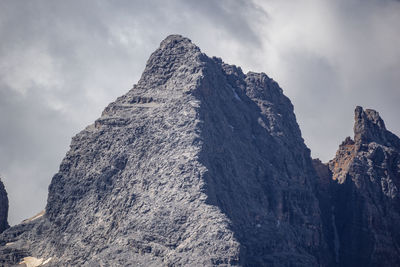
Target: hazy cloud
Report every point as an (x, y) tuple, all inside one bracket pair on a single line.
[(62, 62), (330, 56)]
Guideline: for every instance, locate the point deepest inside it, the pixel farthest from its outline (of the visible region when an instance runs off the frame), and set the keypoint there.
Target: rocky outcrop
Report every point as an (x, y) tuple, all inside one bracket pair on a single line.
[(198, 165), (3, 208), (362, 224)]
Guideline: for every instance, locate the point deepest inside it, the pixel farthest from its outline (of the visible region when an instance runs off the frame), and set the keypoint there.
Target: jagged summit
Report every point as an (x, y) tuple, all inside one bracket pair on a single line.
[(364, 195), (369, 115), (369, 127)]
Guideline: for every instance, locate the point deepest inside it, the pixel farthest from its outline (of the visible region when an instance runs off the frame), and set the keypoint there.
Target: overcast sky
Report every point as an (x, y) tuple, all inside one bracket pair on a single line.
[(62, 62)]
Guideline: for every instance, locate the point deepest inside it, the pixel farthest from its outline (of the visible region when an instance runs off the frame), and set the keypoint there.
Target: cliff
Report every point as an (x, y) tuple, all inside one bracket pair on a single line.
[(362, 207), (3, 208)]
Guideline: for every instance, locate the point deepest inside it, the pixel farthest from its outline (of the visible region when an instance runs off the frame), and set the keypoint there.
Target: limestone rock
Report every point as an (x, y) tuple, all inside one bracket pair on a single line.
[(198, 164)]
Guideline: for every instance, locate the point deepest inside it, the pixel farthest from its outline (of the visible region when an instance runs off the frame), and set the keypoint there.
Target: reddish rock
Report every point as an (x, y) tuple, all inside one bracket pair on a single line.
[(363, 194)]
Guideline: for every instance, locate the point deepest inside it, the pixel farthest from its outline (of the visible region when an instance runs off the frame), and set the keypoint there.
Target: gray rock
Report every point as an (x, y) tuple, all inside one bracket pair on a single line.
[(364, 195), (198, 164), (3, 208)]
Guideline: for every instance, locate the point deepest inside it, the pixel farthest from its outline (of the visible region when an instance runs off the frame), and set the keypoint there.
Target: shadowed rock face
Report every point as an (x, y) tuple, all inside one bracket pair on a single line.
[(3, 208), (363, 192), (198, 164)]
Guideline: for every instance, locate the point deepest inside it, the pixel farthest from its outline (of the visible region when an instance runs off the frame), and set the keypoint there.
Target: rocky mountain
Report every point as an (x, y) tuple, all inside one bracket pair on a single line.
[(200, 164), (365, 194), (3, 208), (359, 193)]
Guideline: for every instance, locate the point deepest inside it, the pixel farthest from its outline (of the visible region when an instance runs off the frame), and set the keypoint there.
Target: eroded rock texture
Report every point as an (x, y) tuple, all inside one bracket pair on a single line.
[(363, 192), (198, 164), (3, 208)]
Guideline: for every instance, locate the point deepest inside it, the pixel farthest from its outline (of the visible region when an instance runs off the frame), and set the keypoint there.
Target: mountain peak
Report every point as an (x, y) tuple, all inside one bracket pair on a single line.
[(368, 126), (171, 68), (176, 40)]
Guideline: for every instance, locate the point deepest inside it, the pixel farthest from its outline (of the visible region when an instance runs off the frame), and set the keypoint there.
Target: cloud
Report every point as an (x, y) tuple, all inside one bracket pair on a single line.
[(330, 56), (63, 62)]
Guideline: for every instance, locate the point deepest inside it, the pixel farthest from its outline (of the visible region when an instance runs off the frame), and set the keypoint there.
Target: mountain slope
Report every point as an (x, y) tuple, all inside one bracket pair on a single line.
[(198, 164)]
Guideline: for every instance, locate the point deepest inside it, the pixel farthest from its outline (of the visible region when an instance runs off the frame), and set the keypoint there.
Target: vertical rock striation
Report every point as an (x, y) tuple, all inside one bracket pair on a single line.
[(198, 164)]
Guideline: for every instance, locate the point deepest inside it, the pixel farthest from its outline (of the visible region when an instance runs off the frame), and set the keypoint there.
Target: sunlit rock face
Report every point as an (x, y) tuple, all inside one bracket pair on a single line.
[(198, 164)]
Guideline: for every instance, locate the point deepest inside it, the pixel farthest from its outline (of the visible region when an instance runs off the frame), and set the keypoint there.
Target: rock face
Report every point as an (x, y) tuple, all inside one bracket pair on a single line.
[(198, 164), (364, 178), (3, 208)]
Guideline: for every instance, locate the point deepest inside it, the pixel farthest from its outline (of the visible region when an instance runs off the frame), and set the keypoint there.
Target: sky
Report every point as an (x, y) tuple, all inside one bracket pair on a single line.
[(62, 62)]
